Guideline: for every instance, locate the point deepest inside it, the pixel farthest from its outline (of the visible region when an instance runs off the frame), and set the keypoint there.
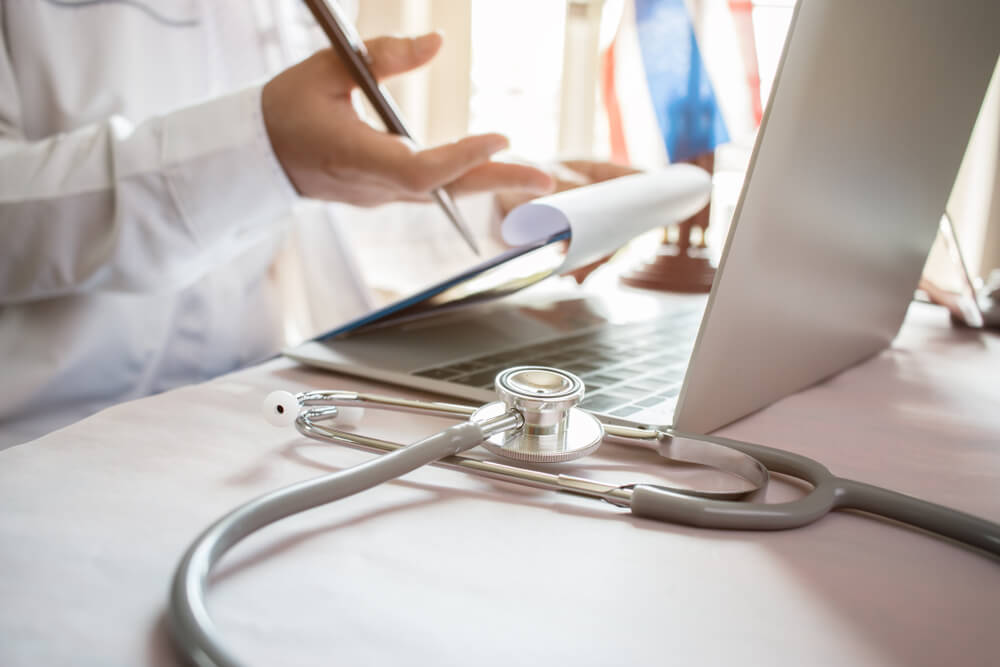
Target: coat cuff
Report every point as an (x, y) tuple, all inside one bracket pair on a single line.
[(221, 169)]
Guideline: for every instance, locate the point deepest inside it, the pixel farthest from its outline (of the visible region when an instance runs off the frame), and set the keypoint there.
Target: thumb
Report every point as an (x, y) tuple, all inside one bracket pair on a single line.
[(389, 56)]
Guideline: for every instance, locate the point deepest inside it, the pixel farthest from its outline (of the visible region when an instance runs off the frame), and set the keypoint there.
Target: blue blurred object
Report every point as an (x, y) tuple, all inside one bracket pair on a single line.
[(683, 99)]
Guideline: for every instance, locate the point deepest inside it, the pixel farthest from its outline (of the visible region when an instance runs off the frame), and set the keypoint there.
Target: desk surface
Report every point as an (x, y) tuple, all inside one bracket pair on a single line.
[(443, 568)]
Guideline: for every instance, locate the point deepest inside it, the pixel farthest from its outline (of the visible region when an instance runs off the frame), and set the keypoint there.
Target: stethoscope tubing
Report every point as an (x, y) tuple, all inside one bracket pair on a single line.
[(965, 528), (199, 640), (680, 506), (829, 493), (190, 623)]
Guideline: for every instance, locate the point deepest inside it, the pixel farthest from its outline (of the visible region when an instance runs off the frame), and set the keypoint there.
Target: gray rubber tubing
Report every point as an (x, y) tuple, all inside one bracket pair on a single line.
[(828, 493), (191, 628)]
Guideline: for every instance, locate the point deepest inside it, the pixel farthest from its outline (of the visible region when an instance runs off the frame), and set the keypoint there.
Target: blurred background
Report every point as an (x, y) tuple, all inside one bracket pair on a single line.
[(578, 78)]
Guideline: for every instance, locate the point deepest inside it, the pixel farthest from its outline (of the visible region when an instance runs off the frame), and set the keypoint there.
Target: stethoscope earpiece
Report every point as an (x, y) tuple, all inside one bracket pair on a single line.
[(280, 408)]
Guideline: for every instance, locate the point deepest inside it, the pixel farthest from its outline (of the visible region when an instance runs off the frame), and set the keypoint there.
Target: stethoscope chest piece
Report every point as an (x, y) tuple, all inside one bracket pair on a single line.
[(554, 429)]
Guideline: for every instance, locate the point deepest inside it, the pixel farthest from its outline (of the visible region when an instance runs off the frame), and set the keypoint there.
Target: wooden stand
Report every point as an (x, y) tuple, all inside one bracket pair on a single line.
[(680, 264)]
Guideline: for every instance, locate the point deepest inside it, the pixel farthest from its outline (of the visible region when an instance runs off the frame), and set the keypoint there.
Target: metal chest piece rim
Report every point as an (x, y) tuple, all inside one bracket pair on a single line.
[(554, 429)]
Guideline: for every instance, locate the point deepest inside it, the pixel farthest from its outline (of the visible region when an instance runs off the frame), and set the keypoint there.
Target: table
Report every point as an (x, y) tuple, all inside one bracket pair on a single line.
[(447, 569)]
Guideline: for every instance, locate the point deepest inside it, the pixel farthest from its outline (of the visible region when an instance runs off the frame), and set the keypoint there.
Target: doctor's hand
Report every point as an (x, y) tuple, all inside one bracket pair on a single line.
[(329, 152), (567, 175)]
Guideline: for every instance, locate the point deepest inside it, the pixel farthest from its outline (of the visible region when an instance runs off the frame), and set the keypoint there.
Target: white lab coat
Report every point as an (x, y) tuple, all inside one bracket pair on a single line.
[(141, 206)]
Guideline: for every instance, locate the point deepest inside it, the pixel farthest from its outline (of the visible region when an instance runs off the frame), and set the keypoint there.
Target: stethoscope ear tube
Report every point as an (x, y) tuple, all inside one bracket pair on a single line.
[(665, 505), (829, 492), (653, 502), (832, 493)]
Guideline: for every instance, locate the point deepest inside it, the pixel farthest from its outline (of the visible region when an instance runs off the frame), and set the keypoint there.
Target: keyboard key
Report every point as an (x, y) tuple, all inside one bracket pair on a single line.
[(465, 367), (602, 379), (592, 388), (646, 347), (493, 359), (626, 411), (619, 374), (517, 361), (526, 361), (480, 379), (573, 341), (437, 373), (581, 368), (669, 376), (537, 351), (638, 369), (651, 401), (557, 360), (633, 392), (603, 403), (670, 357), (648, 385)]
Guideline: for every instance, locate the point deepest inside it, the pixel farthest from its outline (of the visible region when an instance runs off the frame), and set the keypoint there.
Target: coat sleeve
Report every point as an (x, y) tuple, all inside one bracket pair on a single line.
[(132, 207)]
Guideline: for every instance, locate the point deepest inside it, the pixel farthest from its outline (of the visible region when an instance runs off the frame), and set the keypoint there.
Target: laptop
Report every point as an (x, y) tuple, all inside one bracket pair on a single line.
[(871, 111)]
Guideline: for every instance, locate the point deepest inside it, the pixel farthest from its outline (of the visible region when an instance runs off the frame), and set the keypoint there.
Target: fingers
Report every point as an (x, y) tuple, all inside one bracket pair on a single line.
[(438, 166), (394, 55), (526, 180), (596, 171), (563, 176), (388, 55), (415, 172)]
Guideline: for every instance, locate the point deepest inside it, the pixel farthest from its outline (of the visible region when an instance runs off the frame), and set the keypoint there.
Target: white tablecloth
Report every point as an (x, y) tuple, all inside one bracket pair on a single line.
[(447, 569)]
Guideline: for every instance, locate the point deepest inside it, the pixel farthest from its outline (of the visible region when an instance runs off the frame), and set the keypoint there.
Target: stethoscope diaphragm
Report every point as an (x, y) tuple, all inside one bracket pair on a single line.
[(554, 429)]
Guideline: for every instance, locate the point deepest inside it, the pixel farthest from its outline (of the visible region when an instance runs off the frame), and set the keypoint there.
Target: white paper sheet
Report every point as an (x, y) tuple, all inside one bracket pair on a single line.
[(604, 216)]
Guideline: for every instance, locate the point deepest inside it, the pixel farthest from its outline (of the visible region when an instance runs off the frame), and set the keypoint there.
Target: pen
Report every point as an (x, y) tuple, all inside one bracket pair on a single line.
[(352, 51)]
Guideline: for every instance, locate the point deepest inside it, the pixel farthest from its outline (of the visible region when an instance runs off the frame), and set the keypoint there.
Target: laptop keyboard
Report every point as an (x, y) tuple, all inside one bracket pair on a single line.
[(627, 369)]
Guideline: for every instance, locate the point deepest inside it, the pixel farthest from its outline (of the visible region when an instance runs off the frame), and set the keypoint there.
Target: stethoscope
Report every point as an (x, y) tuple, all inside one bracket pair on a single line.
[(536, 420)]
